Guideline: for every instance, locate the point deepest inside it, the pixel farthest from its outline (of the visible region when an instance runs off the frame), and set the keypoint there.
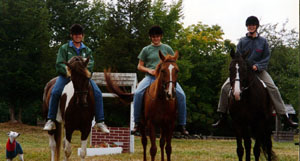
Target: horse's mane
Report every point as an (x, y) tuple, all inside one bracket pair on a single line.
[(78, 67), (168, 58)]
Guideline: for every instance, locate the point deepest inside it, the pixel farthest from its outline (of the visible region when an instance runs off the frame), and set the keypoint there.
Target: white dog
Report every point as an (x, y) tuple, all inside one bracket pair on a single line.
[(13, 148)]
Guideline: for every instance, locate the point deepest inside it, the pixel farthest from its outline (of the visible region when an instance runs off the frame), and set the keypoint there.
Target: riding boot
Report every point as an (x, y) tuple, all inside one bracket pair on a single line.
[(135, 129), (183, 130), (222, 120), (288, 121)]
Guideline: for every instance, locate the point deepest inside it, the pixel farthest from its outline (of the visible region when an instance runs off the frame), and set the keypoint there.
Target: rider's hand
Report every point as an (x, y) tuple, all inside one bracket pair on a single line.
[(254, 67), (152, 72)]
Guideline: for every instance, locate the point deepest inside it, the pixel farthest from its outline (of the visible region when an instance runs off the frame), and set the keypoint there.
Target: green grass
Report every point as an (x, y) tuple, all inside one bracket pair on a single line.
[(34, 142)]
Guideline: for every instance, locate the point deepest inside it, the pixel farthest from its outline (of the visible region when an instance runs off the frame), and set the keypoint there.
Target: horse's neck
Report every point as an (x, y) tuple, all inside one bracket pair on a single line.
[(156, 88)]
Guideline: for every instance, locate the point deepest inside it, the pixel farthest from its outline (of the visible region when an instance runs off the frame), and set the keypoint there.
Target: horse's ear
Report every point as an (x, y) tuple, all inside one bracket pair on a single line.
[(176, 55), (86, 62), (68, 65), (232, 53), (161, 55), (244, 56)]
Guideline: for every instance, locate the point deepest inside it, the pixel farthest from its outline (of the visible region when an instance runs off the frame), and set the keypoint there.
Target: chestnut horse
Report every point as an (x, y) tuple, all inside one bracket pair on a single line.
[(250, 109), (159, 105), (76, 109)]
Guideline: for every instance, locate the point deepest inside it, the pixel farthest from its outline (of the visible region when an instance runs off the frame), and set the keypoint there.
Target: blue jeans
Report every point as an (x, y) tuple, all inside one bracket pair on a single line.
[(139, 95), (57, 91)]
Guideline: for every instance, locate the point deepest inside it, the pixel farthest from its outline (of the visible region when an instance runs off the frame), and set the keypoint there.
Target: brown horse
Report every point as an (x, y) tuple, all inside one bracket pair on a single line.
[(76, 108), (250, 109), (160, 106)]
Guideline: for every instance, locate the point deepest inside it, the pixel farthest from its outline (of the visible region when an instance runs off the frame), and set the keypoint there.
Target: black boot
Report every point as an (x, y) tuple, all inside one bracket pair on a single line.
[(222, 120), (135, 129), (183, 130), (289, 122)]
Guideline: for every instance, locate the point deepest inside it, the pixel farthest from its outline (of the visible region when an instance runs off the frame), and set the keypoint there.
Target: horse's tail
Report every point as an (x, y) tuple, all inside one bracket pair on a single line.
[(266, 146), (113, 88), (57, 137)]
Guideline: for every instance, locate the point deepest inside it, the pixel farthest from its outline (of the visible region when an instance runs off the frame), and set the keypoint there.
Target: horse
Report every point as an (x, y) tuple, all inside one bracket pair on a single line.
[(159, 105), (76, 108), (250, 109)]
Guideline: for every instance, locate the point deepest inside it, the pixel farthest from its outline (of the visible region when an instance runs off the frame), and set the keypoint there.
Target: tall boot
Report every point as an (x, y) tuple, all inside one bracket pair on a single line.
[(288, 121), (222, 120), (183, 130)]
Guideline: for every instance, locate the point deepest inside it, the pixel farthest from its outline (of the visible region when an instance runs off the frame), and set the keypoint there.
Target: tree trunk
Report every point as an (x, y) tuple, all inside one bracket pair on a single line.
[(20, 115), (12, 113)]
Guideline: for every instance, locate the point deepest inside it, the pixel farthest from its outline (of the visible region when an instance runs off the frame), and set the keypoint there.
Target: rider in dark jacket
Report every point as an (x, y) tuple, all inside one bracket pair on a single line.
[(258, 58)]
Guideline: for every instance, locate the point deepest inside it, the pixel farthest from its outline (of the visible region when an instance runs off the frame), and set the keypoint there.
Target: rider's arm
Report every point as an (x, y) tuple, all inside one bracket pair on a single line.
[(60, 59), (141, 67)]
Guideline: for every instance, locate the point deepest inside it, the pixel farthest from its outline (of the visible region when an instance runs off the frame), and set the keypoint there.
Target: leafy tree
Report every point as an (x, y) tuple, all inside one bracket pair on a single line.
[(201, 61), (24, 40)]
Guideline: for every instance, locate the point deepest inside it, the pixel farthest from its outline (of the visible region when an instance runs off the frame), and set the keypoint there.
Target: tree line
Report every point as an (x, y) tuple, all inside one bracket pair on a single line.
[(31, 31)]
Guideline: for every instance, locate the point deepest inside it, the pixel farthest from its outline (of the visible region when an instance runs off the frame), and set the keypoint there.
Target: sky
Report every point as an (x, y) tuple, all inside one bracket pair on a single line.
[(231, 15)]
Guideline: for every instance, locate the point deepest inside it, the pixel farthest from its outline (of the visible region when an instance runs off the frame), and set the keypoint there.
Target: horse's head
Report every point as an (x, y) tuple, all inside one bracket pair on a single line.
[(77, 69), (239, 70), (167, 71)]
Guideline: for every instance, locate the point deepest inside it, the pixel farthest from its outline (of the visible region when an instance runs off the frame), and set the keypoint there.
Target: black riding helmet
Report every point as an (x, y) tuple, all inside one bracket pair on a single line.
[(76, 29), (252, 20), (155, 30)]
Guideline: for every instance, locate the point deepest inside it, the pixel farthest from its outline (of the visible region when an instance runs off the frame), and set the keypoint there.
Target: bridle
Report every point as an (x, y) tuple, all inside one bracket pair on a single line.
[(243, 88), (165, 83)]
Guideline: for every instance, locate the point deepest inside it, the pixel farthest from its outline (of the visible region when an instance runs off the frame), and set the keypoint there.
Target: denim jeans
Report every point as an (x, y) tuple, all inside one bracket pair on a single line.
[(139, 95), (56, 92)]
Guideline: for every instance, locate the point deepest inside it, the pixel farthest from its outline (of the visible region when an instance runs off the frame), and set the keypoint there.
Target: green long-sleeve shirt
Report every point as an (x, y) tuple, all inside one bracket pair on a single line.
[(67, 51)]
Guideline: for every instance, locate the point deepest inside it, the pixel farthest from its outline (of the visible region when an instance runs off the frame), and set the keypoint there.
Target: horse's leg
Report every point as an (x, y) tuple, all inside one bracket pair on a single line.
[(67, 144), (256, 149), (83, 149), (84, 136), (144, 140), (168, 146), (247, 144), (239, 149), (52, 145), (162, 142), (153, 148)]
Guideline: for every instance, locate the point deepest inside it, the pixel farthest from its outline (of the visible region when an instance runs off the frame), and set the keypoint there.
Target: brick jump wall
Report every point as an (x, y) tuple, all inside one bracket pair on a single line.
[(119, 135)]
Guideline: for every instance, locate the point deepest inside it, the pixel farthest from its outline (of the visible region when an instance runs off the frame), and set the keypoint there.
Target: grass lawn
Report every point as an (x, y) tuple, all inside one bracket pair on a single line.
[(34, 142)]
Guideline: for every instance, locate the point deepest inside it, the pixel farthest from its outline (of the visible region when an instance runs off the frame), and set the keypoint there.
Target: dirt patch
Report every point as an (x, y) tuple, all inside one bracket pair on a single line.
[(19, 127)]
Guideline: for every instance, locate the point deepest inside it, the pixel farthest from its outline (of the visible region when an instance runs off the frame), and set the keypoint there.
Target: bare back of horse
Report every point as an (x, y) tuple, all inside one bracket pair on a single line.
[(250, 109), (159, 103), (76, 108)]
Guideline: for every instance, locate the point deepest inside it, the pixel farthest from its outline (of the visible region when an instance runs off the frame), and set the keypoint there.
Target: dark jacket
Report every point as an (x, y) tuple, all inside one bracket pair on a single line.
[(259, 51)]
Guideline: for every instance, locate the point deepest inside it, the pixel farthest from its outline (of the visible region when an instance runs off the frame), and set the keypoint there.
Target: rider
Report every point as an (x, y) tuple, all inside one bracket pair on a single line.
[(259, 58), (148, 59), (74, 47)]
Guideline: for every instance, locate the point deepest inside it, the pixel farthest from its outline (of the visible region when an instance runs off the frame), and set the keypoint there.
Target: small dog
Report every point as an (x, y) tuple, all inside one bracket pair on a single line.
[(13, 148)]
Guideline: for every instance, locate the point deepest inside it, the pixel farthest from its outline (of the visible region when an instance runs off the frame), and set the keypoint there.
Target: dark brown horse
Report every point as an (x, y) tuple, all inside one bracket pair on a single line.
[(159, 103), (250, 109), (76, 109)]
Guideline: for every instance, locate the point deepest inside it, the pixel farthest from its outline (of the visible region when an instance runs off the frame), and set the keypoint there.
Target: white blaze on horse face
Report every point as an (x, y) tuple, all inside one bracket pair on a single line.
[(237, 90), (170, 85)]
